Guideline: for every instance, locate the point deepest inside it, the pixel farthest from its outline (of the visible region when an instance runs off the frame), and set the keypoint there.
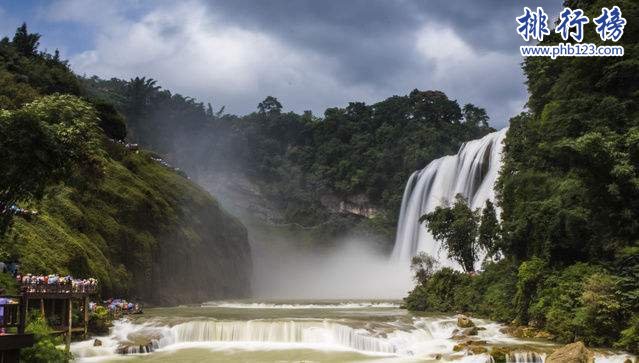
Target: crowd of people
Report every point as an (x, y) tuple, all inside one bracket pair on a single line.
[(169, 166), (11, 267), (118, 307), (41, 283), (15, 210)]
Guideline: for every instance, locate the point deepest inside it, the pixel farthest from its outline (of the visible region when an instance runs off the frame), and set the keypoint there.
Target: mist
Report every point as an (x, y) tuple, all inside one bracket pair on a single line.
[(352, 270)]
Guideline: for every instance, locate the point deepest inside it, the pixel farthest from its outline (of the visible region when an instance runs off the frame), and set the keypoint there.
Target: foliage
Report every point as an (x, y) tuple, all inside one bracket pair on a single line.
[(489, 232), (295, 159), (45, 349), (446, 290), (530, 274), (124, 230), (630, 336), (489, 293), (569, 189), (100, 320), (456, 228), (8, 284), (103, 211), (463, 233), (45, 142), (423, 266), (111, 121)]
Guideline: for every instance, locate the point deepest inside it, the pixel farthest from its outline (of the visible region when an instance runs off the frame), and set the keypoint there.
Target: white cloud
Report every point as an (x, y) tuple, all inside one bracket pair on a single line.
[(193, 51), (471, 75)]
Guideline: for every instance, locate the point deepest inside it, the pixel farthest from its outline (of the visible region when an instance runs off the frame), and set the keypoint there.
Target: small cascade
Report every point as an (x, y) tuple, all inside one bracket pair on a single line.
[(471, 173), (525, 357), (276, 332)]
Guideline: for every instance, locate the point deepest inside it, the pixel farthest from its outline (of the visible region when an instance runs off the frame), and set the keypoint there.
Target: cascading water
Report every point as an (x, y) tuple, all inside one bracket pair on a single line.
[(471, 173), (525, 357)]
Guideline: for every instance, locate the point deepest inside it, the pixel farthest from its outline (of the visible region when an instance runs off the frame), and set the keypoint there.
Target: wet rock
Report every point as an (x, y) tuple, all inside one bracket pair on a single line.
[(477, 349), (439, 356), (523, 332), (132, 348), (464, 333), (464, 322), (500, 354), (572, 353), (542, 334), (470, 331), (97, 343), (471, 346), (459, 347)]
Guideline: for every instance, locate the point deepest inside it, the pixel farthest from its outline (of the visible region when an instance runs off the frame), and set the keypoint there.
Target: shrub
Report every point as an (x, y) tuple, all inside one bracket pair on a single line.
[(45, 349), (630, 336)]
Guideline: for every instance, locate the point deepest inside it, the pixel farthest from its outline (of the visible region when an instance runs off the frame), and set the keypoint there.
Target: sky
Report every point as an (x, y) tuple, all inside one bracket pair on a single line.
[(309, 54)]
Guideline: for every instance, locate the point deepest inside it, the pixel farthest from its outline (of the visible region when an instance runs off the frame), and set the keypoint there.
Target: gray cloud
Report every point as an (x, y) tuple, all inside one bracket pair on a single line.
[(310, 54)]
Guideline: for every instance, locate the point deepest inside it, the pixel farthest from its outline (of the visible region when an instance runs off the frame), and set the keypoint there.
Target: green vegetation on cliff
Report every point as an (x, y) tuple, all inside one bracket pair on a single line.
[(569, 193), (104, 210)]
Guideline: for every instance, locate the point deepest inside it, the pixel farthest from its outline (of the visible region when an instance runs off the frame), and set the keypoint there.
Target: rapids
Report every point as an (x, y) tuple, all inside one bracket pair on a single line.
[(298, 331)]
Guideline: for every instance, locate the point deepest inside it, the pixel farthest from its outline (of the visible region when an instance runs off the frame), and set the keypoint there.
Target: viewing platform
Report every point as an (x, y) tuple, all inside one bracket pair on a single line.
[(53, 298)]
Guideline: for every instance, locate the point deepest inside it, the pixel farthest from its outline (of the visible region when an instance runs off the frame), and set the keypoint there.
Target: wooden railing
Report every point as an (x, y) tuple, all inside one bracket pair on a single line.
[(58, 289), (11, 312)]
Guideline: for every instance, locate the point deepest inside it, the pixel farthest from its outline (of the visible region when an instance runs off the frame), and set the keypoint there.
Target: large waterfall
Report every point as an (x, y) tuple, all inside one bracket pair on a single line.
[(471, 173)]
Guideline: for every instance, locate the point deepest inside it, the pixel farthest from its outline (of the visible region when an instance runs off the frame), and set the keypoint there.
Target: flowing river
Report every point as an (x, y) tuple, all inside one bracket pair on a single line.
[(296, 331)]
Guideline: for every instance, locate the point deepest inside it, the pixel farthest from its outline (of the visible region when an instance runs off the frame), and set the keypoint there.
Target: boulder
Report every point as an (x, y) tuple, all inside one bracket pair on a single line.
[(470, 331), (542, 334), (477, 349), (473, 346), (464, 322), (572, 353), (97, 343), (500, 354)]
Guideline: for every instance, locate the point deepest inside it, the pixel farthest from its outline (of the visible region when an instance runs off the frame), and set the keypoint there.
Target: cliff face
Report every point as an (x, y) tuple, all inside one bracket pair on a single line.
[(144, 231)]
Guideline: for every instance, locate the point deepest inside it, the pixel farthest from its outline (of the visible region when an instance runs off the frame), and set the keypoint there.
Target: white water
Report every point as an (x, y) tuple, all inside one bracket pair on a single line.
[(472, 172), (424, 337), (356, 333), (347, 305)]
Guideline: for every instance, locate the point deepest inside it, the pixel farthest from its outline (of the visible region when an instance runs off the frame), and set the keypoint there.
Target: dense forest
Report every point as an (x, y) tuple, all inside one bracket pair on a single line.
[(569, 193), (365, 151), (74, 199)]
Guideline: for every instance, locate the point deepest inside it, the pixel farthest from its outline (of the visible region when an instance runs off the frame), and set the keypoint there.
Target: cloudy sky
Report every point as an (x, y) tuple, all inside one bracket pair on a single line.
[(310, 54)]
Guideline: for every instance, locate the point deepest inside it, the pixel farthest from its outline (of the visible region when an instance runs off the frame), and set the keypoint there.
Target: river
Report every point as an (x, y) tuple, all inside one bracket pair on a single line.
[(296, 331)]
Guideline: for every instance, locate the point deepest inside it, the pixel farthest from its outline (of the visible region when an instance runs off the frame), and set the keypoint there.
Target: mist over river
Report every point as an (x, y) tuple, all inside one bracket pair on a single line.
[(294, 331)]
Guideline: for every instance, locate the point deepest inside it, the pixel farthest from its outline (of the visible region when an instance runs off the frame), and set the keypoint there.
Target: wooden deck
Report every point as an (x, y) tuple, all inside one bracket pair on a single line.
[(54, 302)]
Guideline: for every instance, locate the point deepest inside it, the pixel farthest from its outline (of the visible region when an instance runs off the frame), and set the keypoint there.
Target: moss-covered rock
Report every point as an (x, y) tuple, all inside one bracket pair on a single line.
[(143, 230), (572, 353), (464, 322)]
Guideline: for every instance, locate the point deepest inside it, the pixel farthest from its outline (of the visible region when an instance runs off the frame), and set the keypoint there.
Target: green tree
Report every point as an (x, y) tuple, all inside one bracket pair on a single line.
[(46, 142), (45, 348), (111, 121), (456, 229), (475, 116), (270, 105), (423, 267), (25, 42), (489, 232)]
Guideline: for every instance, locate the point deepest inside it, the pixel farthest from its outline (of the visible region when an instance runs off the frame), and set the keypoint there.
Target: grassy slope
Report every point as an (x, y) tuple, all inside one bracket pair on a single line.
[(144, 231)]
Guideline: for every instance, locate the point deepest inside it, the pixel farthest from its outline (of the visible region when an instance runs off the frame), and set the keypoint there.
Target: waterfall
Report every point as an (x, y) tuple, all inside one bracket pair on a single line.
[(472, 173), (525, 357)]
